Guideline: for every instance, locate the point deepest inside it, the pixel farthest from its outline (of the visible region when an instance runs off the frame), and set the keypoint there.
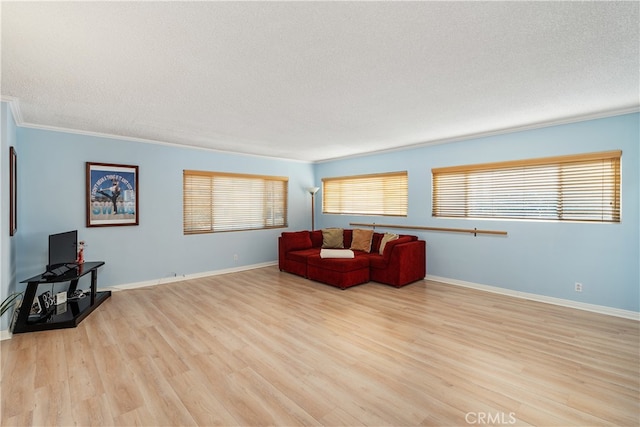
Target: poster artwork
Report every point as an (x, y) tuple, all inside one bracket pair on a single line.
[(112, 195)]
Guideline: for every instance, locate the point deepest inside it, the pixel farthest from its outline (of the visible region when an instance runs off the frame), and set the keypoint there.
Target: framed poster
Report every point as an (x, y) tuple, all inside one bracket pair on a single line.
[(13, 191), (112, 195)]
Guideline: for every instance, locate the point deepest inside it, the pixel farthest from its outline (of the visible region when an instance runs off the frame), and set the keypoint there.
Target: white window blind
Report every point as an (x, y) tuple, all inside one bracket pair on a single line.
[(584, 187), (215, 201), (376, 194)]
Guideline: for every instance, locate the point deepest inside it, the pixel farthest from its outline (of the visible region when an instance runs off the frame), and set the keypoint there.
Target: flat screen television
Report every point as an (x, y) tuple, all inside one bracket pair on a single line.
[(63, 249)]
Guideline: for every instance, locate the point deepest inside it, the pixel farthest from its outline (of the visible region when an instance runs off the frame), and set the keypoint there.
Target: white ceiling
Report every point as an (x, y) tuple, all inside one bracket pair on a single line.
[(316, 80)]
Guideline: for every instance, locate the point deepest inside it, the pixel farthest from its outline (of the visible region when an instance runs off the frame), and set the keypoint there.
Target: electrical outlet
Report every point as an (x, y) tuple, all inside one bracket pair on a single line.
[(235, 257), (578, 287)]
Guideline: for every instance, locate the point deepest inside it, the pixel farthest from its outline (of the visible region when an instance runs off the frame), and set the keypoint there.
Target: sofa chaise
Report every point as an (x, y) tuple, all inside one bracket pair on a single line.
[(345, 257)]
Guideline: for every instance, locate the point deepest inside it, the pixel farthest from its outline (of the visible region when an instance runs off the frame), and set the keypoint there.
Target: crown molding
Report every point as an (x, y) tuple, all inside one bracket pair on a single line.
[(14, 104), (503, 131), (152, 141)]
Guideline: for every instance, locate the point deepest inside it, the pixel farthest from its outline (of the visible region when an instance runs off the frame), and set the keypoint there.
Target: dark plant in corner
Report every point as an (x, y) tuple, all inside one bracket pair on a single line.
[(9, 302)]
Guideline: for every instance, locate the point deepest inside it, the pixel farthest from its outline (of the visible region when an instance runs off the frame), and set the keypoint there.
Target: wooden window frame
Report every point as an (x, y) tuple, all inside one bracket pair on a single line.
[(581, 187), (380, 194), (220, 202)]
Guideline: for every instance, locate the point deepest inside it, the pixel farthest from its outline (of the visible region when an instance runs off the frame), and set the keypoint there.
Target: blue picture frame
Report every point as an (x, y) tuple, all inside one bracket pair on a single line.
[(112, 197)]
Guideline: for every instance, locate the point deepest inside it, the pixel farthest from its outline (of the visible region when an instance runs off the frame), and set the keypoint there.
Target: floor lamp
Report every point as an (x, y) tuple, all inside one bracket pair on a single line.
[(313, 191)]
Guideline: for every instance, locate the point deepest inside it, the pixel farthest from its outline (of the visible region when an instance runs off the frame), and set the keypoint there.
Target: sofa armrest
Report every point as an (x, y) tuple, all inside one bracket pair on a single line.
[(407, 263), (409, 253), (388, 249)]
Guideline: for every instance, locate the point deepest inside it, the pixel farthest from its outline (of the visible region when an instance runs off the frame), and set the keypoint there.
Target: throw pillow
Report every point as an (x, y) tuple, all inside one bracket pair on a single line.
[(332, 238), (361, 240), (387, 238)]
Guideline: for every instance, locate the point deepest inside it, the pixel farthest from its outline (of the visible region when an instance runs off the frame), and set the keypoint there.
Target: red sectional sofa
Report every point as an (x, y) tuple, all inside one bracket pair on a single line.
[(403, 260)]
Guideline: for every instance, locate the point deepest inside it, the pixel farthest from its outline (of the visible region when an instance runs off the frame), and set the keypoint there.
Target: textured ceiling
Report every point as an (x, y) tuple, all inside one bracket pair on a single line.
[(316, 80)]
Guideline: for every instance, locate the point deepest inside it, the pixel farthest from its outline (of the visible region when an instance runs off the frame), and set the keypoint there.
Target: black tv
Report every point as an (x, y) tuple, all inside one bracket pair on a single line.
[(63, 249)]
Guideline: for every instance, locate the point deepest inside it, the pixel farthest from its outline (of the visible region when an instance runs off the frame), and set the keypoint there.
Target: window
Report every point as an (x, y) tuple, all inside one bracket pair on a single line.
[(583, 187), (377, 194), (215, 201)]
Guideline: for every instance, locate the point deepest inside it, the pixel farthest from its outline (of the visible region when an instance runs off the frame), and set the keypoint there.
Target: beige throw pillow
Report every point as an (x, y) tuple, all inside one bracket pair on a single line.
[(387, 238), (361, 240), (332, 238)]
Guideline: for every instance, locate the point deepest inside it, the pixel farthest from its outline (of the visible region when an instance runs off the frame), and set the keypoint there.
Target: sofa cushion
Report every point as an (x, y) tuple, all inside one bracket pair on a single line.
[(377, 261), (339, 264), (347, 234), (332, 238), (302, 255), (387, 237), (375, 242), (316, 238), (295, 240), (342, 273), (361, 240)]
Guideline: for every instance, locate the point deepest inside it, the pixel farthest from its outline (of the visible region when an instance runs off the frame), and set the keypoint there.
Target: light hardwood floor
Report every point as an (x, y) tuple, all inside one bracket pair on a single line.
[(262, 347)]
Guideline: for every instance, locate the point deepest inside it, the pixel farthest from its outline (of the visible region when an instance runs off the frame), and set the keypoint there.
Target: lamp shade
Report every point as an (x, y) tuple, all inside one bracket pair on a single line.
[(313, 190)]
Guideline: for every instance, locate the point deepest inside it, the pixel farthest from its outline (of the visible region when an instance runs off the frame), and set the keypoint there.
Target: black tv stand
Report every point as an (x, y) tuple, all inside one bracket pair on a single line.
[(66, 315)]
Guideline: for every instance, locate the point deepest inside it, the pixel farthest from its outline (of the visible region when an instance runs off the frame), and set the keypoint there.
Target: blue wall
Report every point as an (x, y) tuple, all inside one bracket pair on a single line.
[(7, 244), (52, 192), (544, 258)]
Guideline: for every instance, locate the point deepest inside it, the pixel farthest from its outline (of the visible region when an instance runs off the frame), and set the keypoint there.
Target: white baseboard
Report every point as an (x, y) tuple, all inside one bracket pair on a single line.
[(627, 314), (610, 311), (165, 280), (5, 334)]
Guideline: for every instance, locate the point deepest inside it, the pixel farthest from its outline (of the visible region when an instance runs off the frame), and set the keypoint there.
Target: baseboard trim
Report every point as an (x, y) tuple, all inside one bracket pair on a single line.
[(601, 309), (180, 278), (5, 334), (610, 311)]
